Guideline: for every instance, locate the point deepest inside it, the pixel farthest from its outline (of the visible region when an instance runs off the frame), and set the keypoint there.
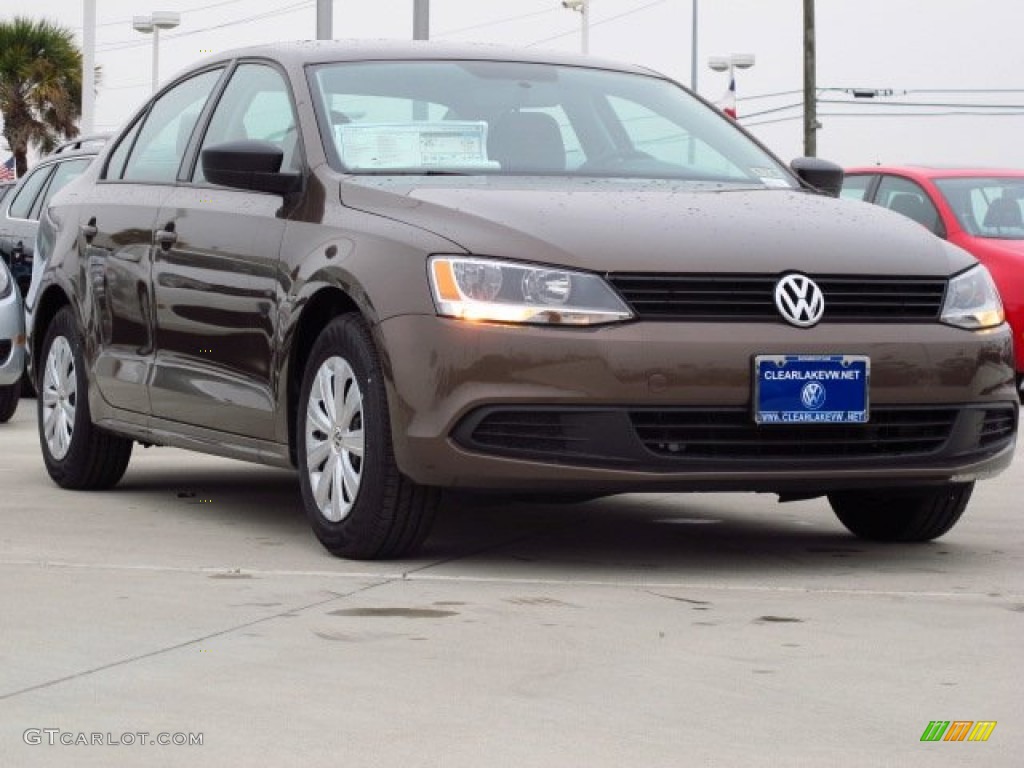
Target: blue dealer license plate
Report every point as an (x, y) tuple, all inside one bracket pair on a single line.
[(801, 389)]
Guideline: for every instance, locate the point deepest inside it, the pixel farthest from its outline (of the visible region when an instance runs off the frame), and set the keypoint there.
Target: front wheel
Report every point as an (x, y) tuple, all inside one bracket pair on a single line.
[(914, 514), (78, 455), (358, 502)]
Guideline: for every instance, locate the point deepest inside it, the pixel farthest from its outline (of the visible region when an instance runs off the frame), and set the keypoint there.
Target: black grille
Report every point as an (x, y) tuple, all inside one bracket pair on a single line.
[(752, 297), (529, 431), (998, 425), (730, 433)]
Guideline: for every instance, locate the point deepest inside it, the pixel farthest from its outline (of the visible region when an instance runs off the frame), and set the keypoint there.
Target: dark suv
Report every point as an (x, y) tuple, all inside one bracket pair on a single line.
[(401, 268)]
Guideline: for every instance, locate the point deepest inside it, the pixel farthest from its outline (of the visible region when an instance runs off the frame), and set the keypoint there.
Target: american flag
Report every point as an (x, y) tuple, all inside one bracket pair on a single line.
[(7, 170), (728, 102)]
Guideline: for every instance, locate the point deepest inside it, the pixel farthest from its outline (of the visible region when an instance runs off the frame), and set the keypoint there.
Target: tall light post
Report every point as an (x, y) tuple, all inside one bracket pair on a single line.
[(693, 49), (88, 66), (730, 64), (156, 21), (582, 7), (421, 20), (324, 19)]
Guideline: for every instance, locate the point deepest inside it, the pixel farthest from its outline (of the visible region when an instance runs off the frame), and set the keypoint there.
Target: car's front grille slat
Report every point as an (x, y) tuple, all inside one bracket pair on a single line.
[(751, 297)]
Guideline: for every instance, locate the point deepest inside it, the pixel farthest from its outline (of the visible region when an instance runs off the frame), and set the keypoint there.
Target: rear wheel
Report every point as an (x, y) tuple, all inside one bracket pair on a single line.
[(9, 396), (78, 454), (916, 514), (359, 504)]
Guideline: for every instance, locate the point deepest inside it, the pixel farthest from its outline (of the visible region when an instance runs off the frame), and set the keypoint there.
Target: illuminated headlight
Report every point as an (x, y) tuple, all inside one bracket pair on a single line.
[(506, 292), (972, 301)]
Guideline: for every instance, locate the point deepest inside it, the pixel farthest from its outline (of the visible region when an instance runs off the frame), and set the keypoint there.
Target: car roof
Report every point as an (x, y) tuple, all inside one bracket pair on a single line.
[(938, 172), (302, 52), (92, 141)]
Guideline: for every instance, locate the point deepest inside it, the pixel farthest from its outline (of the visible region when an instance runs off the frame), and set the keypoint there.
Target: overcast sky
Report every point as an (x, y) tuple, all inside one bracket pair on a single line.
[(965, 56)]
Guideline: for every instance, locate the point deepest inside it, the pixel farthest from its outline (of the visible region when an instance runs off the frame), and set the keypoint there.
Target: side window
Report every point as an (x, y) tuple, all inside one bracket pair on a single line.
[(167, 128), (115, 165), (67, 171), (21, 205), (856, 187), (255, 105), (904, 196)]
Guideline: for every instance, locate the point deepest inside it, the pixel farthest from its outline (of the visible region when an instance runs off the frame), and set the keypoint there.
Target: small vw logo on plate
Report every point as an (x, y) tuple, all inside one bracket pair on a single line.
[(812, 395), (800, 300)]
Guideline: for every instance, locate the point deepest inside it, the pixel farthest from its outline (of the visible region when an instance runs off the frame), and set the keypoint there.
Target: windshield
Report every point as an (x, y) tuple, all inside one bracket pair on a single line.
[(509, 118), (987, 206)]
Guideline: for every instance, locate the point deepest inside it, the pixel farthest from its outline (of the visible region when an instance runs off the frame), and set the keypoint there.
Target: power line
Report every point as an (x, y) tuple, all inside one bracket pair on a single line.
[(886, 115), (507, 19), (596, 23), (126, 44)]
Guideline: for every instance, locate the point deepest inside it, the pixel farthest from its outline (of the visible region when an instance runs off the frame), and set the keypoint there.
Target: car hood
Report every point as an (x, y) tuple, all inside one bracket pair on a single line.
[(609, 225)]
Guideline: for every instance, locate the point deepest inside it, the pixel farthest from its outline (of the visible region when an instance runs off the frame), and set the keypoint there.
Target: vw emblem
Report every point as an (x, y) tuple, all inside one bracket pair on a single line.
[(812, 395), (800, 300)]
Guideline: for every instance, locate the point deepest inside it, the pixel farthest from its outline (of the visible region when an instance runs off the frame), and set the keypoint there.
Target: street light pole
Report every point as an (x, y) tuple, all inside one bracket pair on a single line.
[(153, 24), (324, 19), (583, 7), (693, 49), (88, 66), (421, 20)]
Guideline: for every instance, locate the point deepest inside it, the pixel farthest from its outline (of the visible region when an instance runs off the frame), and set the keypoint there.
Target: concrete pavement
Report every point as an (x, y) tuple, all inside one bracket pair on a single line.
[(659, 630)]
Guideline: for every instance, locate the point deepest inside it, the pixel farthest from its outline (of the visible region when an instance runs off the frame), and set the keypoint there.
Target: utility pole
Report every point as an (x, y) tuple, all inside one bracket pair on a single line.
[(693, 50), (88, 67), (324, 19), (810, 85), (421, 20)]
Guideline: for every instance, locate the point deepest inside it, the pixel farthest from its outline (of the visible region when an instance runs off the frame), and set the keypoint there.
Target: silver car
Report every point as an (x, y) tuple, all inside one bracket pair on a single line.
[(12, 344)]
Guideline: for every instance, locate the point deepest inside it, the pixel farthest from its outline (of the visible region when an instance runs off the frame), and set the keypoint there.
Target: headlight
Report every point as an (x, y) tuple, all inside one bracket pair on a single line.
[(972, 301), (506, 292)]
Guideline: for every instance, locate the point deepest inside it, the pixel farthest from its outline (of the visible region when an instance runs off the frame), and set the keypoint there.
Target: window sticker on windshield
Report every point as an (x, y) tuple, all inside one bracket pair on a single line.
[(770, 177), (440, 144)]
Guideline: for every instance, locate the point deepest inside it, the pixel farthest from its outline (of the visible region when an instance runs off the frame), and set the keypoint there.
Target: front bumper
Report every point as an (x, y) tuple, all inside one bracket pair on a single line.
[(12, 338), (607, 395)]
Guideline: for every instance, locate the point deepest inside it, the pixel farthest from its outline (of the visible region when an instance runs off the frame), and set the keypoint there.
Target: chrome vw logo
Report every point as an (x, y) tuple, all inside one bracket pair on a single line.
[(800, 300), (812, 395)]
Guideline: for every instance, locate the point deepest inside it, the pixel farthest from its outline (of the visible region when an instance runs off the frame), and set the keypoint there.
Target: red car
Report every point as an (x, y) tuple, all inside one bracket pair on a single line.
[(981, 210)]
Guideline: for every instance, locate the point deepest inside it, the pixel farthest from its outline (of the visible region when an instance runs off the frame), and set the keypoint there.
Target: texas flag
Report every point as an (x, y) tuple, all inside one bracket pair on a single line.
[(7, 170), (728, 102)]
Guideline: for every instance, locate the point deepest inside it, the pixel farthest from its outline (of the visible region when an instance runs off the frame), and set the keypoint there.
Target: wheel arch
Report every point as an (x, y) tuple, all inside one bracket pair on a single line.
[(323, 306), (50, 303)]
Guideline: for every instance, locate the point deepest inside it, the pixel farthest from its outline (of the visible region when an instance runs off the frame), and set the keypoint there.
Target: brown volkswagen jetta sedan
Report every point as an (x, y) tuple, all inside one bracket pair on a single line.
[(402, 268)]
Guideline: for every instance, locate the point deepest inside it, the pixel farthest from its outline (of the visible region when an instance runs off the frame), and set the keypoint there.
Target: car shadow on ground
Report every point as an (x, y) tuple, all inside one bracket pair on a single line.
[(638, 534)]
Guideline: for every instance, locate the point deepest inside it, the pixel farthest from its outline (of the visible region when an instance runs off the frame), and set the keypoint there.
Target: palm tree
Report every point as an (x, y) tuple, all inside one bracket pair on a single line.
[(40, 85)]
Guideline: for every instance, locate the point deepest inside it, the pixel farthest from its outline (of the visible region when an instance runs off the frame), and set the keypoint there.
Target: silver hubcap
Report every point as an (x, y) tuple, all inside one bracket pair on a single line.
[(334, 439), (60, 398)]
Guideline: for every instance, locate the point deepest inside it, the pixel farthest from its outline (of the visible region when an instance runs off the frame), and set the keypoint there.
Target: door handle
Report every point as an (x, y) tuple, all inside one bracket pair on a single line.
[(166, 237), (89, 231)]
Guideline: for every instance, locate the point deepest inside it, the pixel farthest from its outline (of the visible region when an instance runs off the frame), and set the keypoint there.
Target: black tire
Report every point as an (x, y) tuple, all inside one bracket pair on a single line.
[(915, 514), (388, 516), (94, 459), (9, 396)]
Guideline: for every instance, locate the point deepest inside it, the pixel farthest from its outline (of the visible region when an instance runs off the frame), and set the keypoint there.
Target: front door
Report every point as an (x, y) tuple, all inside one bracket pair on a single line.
[(215, 274)]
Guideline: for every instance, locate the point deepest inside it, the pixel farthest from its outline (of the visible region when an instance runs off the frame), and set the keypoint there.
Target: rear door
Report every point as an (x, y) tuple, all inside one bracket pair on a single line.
[(216, 276), (117, 225)]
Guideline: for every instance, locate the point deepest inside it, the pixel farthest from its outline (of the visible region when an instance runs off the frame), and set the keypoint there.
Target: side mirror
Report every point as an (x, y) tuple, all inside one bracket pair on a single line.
[(824, 176), (249, 164)]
